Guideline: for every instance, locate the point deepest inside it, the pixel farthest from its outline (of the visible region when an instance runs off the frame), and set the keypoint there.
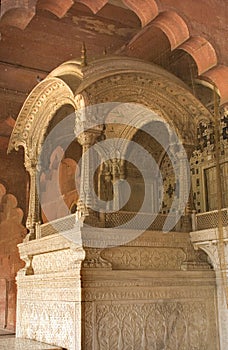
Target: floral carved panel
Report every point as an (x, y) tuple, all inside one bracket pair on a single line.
[(173, 325)]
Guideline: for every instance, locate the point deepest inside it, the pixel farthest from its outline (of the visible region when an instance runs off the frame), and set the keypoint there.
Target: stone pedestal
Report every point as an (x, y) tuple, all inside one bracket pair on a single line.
[(49, 292), (208, 241), (155, 292), (152, 293)]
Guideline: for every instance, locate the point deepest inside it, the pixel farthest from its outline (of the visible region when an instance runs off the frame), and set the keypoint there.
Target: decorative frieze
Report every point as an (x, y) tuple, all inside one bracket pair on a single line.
[(145, 258)]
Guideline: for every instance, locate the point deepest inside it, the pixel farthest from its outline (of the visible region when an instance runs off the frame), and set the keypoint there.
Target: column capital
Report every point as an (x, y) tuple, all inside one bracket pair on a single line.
[(88, 138)]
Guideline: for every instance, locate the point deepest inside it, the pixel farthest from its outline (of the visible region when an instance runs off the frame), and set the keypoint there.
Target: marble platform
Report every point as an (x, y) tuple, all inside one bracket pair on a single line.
[(11, 343)]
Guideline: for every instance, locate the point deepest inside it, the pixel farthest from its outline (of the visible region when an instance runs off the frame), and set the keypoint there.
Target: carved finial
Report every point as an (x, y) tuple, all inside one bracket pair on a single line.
[(83, 55)]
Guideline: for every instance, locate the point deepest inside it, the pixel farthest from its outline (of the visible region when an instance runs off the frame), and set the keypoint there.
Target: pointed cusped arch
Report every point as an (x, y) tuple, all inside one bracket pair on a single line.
[(36, 113)]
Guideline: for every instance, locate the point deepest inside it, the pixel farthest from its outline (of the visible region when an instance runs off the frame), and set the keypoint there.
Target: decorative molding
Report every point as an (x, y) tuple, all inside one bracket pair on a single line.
[(38, 109), (145, 258), (94, 259)]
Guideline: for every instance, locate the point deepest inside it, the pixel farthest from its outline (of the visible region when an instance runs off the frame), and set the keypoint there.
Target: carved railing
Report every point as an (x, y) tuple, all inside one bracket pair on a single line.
[(59, 225), (207, 220), (121, 219)]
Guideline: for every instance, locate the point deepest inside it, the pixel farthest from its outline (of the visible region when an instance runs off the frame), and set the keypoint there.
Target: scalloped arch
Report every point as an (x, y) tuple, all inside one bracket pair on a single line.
[(173, 26), (146, 10), (17, 16), (218, 76), (57, 7), (202, 52), (94, 6)]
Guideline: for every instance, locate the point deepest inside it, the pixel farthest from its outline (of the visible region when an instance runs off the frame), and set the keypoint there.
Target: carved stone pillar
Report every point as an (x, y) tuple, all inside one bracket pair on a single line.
[(33, 218), (208, 242), (87, 200)]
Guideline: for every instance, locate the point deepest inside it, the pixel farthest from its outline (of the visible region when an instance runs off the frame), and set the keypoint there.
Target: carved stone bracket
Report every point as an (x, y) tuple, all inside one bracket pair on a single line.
[(28, 269), (208, 241)]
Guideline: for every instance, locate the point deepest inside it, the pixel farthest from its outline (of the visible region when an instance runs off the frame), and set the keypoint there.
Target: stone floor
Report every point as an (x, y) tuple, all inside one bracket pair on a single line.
[(9, 342)]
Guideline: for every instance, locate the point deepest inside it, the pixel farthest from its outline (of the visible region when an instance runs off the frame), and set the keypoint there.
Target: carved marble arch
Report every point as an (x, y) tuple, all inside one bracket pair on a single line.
[(30, 130), (37, 111), (132, 80)]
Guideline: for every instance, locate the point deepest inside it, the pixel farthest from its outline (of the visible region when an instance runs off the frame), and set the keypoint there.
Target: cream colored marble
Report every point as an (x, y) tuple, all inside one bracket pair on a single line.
[(152, 293), (24, 344), (49, 292)]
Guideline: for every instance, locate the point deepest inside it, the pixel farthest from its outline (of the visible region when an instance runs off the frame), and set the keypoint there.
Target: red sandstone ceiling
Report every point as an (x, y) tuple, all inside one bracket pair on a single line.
[(186, 37)]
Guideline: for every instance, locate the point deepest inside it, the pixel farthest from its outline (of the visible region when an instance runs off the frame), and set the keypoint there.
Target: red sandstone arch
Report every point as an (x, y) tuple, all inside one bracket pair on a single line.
[(219, 77), (94, 6), (20, 13), (146, 10), (57, 7), (17, 16), (174, 27), (202, 52)]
